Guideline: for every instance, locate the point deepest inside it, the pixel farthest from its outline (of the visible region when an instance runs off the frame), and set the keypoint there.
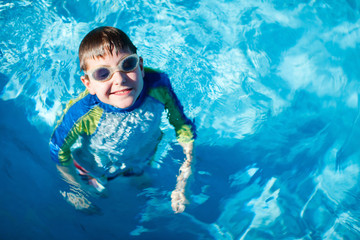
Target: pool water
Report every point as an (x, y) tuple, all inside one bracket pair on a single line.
[(273, 87)]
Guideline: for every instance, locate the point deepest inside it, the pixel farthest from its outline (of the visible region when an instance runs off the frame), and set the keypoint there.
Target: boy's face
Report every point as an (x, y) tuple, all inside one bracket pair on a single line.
[(122, 89)]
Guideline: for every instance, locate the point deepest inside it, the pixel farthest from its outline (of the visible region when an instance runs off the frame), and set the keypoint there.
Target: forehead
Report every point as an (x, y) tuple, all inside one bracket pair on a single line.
[(107, 59)]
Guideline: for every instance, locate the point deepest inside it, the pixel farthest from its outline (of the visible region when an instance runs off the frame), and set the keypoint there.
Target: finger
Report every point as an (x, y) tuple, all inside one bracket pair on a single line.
[(178, 207)]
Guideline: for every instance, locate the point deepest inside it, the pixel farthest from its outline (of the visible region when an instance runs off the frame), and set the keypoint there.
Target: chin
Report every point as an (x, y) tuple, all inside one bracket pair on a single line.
[(125, 105)]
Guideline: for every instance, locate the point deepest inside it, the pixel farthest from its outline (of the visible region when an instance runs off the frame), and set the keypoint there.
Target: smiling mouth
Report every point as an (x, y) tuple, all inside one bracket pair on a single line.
[(122, 92)]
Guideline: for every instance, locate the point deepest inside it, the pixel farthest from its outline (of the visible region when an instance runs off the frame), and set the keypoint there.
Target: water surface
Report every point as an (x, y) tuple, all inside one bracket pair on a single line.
[(273, 87)]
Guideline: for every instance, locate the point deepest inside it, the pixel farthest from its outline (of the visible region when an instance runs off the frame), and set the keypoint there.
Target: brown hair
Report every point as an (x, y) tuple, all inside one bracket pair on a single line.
[(102, 41)]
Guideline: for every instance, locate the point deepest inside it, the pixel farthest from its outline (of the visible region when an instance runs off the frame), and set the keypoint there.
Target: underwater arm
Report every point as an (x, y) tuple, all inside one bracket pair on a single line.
[(69, 174), (178, 196), (75, 122), (61, 154), (185, 134)]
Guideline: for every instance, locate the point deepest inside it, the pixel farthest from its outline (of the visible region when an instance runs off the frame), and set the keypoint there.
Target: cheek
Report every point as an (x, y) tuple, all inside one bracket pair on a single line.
[(137, 79), (103, 89), (140, 84)]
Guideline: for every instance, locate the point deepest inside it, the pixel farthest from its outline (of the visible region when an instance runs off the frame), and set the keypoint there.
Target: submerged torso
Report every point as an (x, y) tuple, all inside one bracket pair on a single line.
[(122, 140)]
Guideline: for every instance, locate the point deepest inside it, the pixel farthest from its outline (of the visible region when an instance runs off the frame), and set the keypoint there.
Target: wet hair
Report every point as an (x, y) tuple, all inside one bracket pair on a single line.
[(102, 41)]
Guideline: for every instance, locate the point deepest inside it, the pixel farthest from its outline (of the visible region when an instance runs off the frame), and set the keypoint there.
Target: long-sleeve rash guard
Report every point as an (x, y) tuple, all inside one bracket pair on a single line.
[(106, 140)]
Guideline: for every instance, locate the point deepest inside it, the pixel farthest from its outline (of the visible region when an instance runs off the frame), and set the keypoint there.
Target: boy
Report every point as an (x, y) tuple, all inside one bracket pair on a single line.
[(116, 120)]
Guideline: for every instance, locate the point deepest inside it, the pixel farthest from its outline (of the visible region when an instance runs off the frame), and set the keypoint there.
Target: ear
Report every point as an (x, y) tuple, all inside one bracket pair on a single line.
[(86, 81), (141, 64)]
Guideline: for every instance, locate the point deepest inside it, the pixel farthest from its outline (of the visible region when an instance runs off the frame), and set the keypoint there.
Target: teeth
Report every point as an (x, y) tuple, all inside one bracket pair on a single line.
[(123, 91)]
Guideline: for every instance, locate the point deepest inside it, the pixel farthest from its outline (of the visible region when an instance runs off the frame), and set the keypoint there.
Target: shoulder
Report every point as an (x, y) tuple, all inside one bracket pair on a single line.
[(155, 78), (158, 85), (77, 108), (83, 102)]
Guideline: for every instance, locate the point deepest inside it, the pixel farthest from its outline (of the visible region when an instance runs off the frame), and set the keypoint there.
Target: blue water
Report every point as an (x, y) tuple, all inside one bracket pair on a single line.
[(273, 87)]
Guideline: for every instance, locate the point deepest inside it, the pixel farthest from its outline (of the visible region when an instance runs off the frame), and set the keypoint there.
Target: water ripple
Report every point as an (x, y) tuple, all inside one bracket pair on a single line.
[(273, 87)]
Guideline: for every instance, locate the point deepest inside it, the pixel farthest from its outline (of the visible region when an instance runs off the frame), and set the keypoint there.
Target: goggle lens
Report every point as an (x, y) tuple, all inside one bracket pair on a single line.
[(101, 74), (129, 64)]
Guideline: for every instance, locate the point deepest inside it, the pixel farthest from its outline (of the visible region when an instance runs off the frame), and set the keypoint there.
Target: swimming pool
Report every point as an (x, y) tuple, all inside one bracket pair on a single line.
[(273, 87)]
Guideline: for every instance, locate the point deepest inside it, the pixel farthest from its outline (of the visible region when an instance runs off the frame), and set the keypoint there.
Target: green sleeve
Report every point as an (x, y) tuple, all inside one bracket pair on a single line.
[(184, 128), (85, 126), (78, 119)]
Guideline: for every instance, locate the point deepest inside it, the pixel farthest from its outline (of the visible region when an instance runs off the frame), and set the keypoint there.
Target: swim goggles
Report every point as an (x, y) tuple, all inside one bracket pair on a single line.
[(127, 64)]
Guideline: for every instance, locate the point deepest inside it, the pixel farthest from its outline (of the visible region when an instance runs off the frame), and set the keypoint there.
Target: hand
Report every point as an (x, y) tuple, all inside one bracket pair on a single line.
[(78, 199), (178, 201)]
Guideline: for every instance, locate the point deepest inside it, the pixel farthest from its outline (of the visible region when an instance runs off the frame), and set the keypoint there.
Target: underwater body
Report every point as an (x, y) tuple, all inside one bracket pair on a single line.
[(273, 88)]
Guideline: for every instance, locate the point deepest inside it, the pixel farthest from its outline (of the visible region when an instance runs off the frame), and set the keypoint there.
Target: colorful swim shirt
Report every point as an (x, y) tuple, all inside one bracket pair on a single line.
[(107, 141)]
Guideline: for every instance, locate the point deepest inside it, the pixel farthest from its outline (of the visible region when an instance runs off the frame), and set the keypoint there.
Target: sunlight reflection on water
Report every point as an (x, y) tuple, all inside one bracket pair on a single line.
[(273, 87)]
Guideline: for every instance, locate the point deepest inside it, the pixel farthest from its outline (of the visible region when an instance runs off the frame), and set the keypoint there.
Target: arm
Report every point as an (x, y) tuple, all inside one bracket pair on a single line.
[(79, 118), (69, 174), (60, 144), (185, 134), (178, 196)]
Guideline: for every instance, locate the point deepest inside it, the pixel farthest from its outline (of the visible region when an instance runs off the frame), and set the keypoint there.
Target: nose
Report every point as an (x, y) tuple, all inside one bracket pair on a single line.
[(119, 77)]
